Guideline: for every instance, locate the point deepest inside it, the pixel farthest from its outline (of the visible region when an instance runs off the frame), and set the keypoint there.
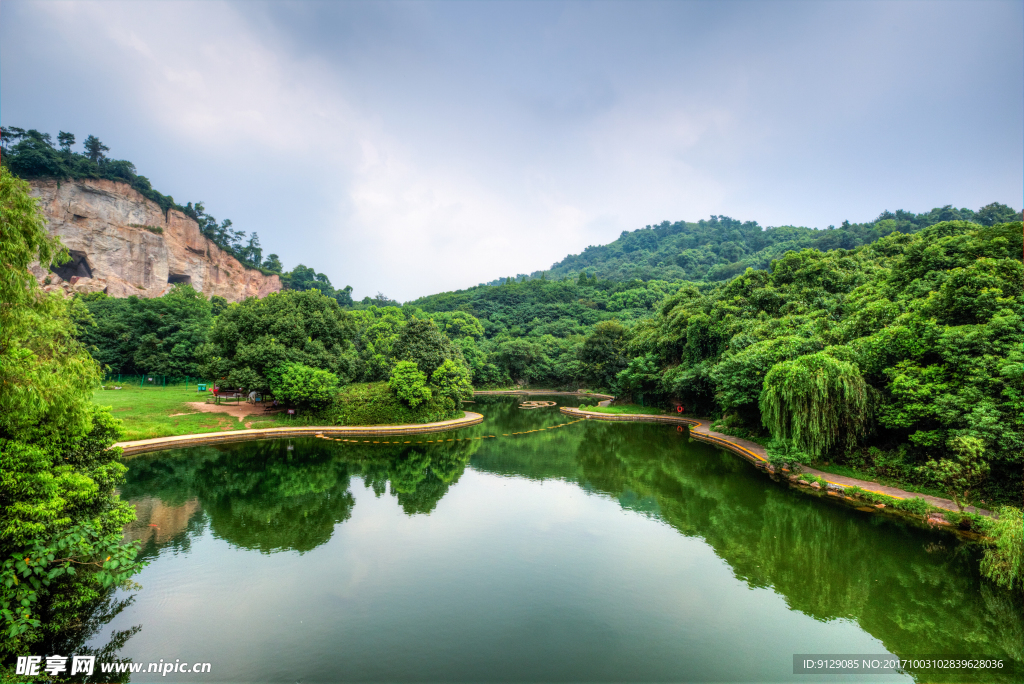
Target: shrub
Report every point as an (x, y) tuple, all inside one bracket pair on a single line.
[(915, 505), (303, 385), (451, 380), (409, 383), (1004, 560), (152, 229), (376, 404), (783, 454), (963, 475)]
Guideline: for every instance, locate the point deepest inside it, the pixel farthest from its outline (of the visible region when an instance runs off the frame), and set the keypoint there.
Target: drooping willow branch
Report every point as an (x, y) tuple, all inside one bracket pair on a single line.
[(817, 401)]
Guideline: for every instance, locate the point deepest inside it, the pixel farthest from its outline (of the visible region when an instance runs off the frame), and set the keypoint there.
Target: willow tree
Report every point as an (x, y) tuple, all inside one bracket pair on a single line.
[(816, 401)]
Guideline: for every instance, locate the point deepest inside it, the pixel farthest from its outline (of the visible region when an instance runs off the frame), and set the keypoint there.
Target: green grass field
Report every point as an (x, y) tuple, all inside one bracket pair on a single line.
[(150, 412), (629, 409)]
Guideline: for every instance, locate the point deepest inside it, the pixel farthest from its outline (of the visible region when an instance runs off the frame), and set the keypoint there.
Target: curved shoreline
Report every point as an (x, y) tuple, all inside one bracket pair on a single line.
[(700, 429), (606, 397), (179, 441)]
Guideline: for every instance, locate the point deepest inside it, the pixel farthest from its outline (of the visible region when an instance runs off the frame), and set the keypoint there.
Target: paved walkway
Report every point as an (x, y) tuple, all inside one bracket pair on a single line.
[(180, 441), (700, 428)]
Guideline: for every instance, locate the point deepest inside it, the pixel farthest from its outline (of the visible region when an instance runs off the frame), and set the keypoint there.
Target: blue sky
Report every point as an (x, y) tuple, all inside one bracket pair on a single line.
[(412, 148)]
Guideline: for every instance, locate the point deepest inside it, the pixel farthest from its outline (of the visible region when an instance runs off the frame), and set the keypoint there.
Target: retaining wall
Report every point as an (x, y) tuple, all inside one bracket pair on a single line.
[(180, 441)]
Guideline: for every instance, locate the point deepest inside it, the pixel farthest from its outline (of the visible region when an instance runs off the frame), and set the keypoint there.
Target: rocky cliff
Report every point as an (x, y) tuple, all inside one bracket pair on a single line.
[(123, 244)]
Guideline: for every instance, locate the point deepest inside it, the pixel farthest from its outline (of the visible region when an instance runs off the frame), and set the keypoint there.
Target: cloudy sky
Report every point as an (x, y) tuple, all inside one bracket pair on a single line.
[(412, 148)]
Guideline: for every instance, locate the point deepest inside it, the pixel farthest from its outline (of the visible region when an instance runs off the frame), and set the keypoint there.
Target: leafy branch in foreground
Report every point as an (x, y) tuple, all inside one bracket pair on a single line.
[(60, 516)]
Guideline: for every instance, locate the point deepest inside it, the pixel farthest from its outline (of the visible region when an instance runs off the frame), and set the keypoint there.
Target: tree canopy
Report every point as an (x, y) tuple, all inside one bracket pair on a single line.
[(250, 339), (878, 356), (61, 520), (136, 336)]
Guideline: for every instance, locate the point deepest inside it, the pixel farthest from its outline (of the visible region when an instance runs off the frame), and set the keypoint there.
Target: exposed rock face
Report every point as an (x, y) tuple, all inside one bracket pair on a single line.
[(104, 225)]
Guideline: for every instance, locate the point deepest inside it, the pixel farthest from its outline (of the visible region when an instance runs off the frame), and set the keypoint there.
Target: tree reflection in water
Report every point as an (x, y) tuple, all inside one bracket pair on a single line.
[(267, 497), (917, 590)]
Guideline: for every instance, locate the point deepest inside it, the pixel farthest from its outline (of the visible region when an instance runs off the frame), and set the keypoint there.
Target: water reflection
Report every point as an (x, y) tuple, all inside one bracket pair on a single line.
[(267, 497), (916, 590), (157, 523)]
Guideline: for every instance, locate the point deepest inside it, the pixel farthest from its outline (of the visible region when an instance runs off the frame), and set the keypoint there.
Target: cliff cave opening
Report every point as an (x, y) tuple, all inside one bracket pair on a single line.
[(77, 266), (175, 278)]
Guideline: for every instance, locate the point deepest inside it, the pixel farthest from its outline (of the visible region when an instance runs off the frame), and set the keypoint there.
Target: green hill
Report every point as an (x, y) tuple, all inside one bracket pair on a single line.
[(721, 247)]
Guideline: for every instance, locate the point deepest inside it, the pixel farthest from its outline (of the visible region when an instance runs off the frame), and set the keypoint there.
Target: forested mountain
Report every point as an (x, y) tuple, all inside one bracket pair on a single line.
[(721, 247), (883, 357), (561, 308)]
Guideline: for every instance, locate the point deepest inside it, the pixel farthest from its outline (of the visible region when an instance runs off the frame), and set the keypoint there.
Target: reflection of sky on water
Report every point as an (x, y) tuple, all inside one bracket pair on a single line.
[(505, 572), (594, 550)]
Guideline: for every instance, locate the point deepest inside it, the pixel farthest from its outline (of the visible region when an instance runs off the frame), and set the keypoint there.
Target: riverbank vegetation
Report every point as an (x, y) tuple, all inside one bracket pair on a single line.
[(887, 357), (899, 359), (61, 526)]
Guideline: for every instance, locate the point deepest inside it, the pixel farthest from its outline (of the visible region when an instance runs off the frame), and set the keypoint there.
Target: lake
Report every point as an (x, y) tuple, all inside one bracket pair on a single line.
[(592, 551)]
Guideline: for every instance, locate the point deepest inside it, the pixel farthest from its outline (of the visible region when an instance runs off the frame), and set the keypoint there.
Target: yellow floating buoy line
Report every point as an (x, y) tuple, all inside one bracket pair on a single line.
[(441, 441)]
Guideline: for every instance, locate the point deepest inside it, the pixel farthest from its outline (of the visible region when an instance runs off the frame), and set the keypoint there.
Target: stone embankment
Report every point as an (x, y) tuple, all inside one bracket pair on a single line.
[(592, 395), (181, 441), (700, 429), (124, 244)]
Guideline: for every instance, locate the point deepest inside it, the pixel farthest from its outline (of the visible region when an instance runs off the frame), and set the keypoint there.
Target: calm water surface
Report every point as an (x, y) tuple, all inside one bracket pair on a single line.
[(588, 552)]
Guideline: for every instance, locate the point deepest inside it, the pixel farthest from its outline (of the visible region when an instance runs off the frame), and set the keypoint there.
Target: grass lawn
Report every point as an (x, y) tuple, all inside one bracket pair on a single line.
[(628, 409), (149, 412)]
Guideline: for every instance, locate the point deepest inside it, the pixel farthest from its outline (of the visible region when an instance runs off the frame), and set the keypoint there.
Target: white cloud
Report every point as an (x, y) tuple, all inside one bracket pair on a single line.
[(412, 149)]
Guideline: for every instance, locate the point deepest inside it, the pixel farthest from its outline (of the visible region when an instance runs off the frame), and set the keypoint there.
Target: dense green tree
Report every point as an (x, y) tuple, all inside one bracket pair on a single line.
[(423, 343), (451, 380), (60, 518), (817, 401), (720, 248), (250, 339), (604, 352), (522, 359), (962, 475), (218, 304), (344, 296), (995, 213), (305, 278), (302, 385), (379, 300), (550, 318), (272, 263), (66, 140), (161, 335), (923, 329), (378, 331), (409, 383)]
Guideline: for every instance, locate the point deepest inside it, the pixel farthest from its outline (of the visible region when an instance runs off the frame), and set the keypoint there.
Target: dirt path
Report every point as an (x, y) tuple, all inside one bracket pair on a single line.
[(241, 410)]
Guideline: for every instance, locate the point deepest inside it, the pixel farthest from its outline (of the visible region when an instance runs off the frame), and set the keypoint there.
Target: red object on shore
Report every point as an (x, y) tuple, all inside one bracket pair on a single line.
[(680, 408)]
